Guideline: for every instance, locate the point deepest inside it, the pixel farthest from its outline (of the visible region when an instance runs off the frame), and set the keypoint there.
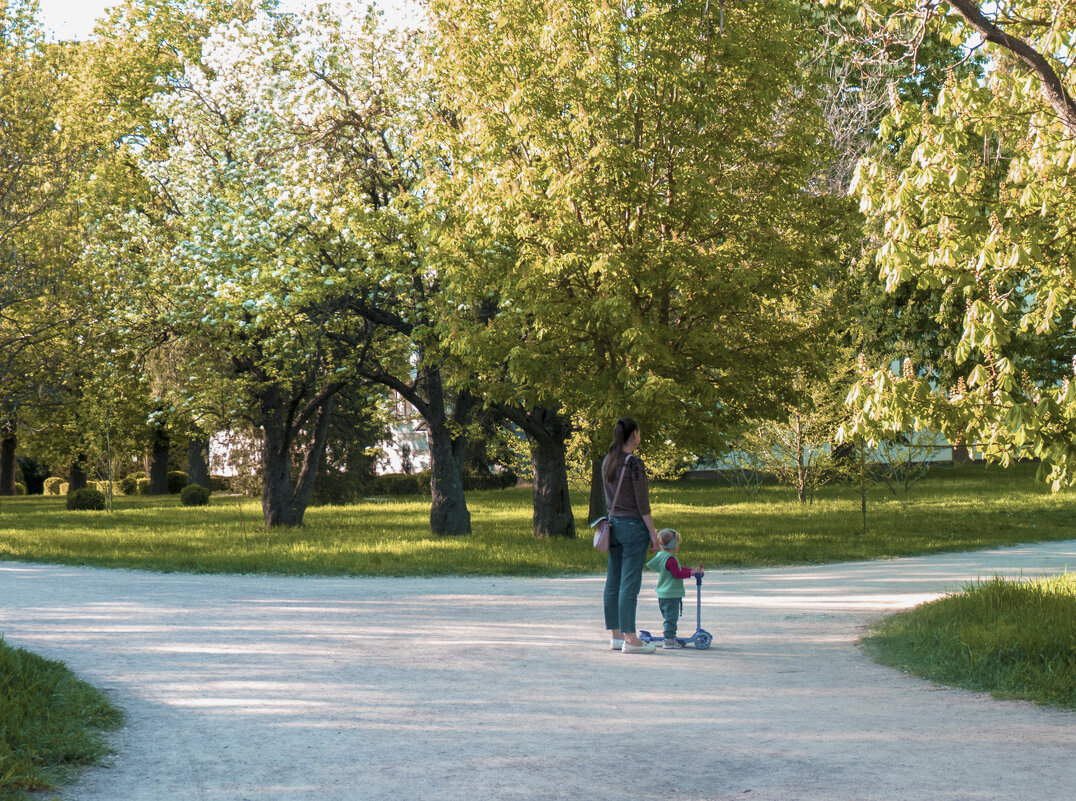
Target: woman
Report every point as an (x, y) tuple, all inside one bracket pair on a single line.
[(632, 530)]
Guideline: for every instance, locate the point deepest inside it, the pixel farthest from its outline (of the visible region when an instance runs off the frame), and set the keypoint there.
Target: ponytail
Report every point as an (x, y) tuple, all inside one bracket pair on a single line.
[(622, 432)]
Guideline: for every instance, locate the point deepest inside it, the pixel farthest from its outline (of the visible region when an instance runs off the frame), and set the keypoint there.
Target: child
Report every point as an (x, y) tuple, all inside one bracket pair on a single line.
[(670, 582)]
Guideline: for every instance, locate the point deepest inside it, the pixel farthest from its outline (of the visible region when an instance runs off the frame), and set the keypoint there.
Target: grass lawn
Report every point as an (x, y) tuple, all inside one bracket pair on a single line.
[(951, 509), (50, 722), (1012, 639)]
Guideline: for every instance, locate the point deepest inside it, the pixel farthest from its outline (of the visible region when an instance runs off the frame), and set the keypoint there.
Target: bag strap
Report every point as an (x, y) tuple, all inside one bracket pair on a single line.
[(616, 494)]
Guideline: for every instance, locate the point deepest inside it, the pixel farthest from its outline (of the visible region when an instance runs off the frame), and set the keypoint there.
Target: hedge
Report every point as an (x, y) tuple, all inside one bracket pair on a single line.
[(194, 495), (86, 499)]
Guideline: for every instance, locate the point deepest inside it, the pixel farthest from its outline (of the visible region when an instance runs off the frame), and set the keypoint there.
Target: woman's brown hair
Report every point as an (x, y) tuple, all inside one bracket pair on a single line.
[(625, 427)]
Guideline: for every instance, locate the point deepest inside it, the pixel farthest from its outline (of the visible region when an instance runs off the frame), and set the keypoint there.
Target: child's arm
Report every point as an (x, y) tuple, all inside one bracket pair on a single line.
[(673, 567)]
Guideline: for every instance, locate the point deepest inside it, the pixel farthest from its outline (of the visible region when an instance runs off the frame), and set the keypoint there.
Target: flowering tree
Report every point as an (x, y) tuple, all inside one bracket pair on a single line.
[(289, 238), (982, 210)]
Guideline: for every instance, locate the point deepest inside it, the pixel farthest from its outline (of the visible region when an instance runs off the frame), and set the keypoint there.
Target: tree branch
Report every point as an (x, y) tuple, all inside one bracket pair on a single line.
[(1052, 87)]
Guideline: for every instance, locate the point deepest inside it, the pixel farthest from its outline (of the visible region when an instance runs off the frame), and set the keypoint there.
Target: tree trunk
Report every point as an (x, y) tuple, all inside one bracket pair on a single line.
[(552, 501), (278, 497), (960, 454), (8, 465), (198, 461), (283, 505), (76, 474), (158, 462), (547, 433), (448, 506), (314, 456), (598, 502)]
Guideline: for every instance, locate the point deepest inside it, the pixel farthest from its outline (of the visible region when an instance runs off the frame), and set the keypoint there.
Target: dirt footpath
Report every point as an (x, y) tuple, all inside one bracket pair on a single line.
[(273, 689)]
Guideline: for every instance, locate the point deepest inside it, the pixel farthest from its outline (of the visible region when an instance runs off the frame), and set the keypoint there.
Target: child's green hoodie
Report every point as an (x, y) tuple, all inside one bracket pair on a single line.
[(668, 585)]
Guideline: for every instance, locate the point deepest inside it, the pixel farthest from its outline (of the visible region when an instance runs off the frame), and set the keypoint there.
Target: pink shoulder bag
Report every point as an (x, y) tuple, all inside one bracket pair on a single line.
[(602, 525)]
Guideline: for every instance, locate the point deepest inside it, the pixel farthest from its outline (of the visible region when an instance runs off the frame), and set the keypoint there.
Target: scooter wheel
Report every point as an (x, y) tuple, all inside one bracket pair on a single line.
[(703, 640)]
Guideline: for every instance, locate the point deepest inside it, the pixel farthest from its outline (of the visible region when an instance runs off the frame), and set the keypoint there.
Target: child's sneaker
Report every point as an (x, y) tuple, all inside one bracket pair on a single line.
[(673, 643)]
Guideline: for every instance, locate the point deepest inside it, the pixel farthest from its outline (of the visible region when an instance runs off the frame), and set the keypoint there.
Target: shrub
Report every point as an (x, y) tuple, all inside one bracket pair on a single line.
[(129, 485), (52, 485), (484, 481), (194, 495), (142, 485), (64, 487), (20, 488), (399, 484), (86, 499), (177, 480), (220, 483)]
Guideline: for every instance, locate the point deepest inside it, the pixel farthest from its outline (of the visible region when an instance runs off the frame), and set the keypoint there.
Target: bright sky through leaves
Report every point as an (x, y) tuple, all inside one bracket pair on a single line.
[(74, 19)]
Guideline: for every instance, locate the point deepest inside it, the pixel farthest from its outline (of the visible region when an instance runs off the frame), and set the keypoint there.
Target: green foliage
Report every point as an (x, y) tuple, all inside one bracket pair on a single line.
[(1012, 639), (20, 488), (49, 722), (52, 485), (977, 212), (221, 484), (129, 485), (632, 227), (142, 486), (177, 480), (194, 495), (86, 499), (952, 509)]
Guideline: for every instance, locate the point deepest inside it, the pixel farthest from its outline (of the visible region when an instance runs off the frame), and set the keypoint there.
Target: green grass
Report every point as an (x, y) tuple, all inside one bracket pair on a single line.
[(1011, 639), (952, 509), (50, 722)]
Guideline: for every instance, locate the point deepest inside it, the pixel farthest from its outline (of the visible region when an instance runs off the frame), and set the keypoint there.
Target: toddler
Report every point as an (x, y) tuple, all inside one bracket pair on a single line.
[(670, 582)]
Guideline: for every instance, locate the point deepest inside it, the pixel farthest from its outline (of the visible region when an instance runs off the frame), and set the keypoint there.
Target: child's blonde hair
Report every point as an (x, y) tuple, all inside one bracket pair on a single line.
[(668, 538)]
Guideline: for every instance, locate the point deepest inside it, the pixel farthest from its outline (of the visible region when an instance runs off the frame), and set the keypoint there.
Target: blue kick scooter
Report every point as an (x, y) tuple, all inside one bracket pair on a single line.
[(701, 638)]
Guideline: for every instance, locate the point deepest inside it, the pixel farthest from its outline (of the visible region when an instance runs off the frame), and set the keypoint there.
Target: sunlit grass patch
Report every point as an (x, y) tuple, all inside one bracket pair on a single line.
[(50, 722), (962, 509), (1014, 639)]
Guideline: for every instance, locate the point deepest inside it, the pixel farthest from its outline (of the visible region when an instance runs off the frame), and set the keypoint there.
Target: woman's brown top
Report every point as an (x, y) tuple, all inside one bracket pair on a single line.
[(634, 497)]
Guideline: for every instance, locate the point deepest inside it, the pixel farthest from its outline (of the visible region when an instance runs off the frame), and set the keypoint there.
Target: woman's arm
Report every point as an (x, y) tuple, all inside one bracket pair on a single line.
[(653, 533)]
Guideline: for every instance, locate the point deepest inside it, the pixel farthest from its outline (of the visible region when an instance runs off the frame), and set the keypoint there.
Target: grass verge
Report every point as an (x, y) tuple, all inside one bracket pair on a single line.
[(1009, 638), (50, 723), (967, 508)]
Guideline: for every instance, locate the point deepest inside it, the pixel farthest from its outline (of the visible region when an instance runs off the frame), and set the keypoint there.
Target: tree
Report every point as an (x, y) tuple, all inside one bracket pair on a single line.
[(41, 149), (644, 170), (981, 212), (288, 240)]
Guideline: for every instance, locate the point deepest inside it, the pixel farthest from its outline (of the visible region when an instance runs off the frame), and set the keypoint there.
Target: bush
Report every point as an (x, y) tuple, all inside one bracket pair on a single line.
[(220, 483), (177, 480), (20, 488), (129, 485), (400, 484), (52, 485), (142, 486), (487, 481), (194, 495), (86, 499), (64, 487)]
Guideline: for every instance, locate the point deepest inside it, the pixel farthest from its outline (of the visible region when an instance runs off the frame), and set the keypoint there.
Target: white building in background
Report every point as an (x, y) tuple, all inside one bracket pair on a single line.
[(409, 449)]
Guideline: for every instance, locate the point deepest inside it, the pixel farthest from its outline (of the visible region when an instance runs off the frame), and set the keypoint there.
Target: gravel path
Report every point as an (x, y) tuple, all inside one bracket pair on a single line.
[(272, 689)]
